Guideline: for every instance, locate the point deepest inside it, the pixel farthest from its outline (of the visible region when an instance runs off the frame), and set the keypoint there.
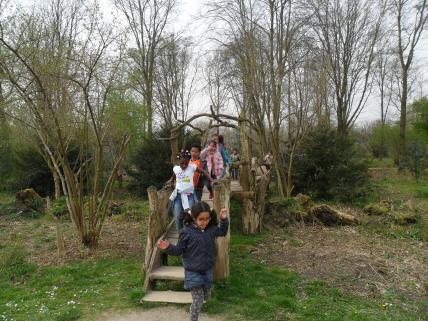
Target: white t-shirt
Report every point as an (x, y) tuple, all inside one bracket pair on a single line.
[(184, 179)]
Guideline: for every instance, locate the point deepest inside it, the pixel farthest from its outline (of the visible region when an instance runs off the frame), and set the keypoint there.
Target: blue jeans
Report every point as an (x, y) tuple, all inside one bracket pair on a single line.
[(178, 208), (198, 279)]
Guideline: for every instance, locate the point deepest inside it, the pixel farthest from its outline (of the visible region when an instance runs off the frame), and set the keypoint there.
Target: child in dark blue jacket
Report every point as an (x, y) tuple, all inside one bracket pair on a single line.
[(197, 245)]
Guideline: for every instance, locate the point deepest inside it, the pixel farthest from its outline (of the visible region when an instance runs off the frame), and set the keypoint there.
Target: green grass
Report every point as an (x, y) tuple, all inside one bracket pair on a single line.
[(72, 291), (254, 291), (6, 198), (384, 163), (422, 191)]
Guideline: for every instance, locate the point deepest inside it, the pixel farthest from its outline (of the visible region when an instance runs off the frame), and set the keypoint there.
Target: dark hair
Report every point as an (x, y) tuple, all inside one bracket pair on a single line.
[(197, 209), (184, 154), (196, 146), (221, 139)]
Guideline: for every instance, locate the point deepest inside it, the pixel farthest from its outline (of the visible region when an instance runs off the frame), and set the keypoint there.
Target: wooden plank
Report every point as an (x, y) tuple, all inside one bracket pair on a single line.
[(173, 240), (168, 296), (168, 273), (154, 260)]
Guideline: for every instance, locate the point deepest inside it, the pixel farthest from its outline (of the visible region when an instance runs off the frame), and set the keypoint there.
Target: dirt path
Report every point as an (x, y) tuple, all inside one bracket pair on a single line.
[(155, 314)]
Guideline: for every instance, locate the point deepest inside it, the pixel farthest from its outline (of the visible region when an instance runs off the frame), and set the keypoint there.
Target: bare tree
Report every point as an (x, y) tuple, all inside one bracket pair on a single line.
[(147, 20), (59, 65), (384, 79), (215, 76), (174, 80), (348, 32), (411, 19)]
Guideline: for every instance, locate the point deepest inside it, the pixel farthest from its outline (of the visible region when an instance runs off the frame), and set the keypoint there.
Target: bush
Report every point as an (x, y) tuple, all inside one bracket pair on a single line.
[(378, 141), (149, 165), (415, 157), (32, 171), (331, 167)]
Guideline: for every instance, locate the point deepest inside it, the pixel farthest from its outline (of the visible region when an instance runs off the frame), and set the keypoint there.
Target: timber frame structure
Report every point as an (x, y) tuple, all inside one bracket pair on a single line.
[(250, 190)]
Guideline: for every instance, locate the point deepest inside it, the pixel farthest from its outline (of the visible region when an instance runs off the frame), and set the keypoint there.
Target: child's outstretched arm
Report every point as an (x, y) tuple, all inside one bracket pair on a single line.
[(172, 249), (224, 224)]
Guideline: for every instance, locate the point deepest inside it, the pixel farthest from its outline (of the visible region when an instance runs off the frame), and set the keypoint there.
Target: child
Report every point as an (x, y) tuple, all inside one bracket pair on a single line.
[(198, 178), (197, 245), (213, 159), (234, 168), (183, 195)]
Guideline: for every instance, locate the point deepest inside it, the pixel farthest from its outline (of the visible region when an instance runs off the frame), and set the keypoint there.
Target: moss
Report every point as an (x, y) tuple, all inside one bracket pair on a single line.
[(405, 218), (380, 209)]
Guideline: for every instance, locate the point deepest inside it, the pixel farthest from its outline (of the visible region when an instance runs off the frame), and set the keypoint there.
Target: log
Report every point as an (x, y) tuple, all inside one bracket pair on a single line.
[(330, 216)]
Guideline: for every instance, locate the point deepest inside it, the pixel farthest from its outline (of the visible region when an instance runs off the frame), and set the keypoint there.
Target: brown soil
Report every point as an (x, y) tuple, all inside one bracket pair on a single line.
[(119, 238), (362, 264)]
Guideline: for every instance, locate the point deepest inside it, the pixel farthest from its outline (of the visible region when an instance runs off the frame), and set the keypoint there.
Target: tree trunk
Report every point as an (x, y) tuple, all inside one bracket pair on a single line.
[(403, 116), (57, 184), (244, 177)]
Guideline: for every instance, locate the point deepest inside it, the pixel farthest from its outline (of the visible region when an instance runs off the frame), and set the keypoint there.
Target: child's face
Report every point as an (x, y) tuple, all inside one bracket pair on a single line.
[(194, 152), (202, 220), (184, 163), (216, 139), (212, 149)]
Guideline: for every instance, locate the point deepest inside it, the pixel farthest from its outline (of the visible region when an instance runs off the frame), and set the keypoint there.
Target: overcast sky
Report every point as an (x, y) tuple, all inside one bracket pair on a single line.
[(185, 20)]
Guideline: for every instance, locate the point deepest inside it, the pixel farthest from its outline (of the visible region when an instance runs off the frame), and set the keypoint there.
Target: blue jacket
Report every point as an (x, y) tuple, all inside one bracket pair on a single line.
[(198, 246)]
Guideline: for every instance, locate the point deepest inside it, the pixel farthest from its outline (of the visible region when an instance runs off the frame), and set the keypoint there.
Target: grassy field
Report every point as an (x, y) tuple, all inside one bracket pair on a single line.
[(37, 285)]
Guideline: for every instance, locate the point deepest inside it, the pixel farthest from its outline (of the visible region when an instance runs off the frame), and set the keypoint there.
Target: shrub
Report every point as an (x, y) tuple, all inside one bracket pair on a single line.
[(331, 167), (378, 141), (149, 165), (415, 157)]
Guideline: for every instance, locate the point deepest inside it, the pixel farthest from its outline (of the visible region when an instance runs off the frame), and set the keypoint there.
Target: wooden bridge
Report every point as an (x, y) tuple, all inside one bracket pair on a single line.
[(161, 226)]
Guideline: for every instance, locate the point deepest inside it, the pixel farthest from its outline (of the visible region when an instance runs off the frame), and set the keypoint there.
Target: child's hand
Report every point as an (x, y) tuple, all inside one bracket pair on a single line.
[(223, 213), (163, 244)]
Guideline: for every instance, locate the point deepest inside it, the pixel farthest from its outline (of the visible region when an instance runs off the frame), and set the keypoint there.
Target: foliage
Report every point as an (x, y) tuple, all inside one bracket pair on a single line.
[(378, 141), (415, 158), (6, 155), (330, 166), (32, 171), (420, 108), (149, 164), (126, 117), (59, 207)]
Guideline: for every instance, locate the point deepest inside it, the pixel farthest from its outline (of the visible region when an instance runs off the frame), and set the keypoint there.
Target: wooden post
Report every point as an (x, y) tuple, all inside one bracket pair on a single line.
[(175, 134), (158, 219), (222, 200)]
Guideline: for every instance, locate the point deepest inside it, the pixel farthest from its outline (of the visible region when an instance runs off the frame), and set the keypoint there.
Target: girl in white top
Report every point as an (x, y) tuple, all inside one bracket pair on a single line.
[(183, 195)]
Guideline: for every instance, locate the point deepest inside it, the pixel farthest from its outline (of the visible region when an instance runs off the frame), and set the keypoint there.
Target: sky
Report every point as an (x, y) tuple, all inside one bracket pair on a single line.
[(185, 20), (189, 9)]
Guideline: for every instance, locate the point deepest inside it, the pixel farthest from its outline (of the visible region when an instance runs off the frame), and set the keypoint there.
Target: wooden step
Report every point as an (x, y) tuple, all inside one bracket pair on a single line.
[(173, 240), (168, 273), (168, 296)]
